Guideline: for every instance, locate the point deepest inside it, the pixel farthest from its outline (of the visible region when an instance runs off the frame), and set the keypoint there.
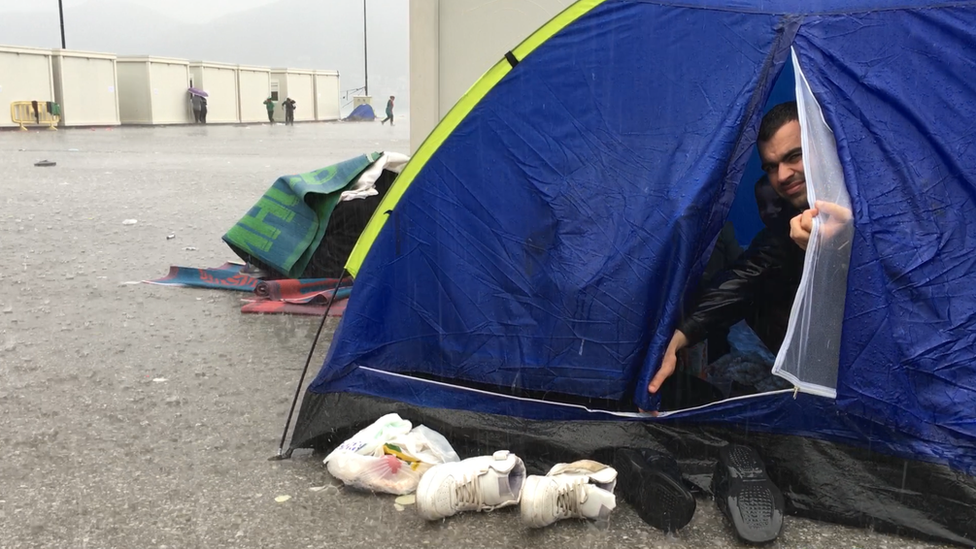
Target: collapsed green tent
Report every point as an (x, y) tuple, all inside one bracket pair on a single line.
[(306, 225)]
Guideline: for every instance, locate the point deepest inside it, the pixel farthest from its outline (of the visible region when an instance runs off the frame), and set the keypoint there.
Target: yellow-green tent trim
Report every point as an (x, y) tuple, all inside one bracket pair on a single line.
[(446, 126)]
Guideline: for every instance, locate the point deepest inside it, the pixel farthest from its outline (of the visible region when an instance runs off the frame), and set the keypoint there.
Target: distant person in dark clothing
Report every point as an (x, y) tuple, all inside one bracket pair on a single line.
[(196, 102), (289, 105), (269, 104), (203, 110), (389, 111)]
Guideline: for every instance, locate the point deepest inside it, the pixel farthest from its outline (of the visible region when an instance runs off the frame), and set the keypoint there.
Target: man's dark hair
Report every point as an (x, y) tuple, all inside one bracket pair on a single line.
[(776, 118)]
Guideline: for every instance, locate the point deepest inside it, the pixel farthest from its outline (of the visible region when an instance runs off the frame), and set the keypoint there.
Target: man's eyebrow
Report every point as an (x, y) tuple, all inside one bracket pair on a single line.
[(766, 166), (790, 153)]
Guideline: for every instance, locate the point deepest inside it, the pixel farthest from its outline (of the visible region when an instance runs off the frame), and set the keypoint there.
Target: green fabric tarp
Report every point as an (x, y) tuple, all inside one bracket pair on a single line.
[(288, 223)]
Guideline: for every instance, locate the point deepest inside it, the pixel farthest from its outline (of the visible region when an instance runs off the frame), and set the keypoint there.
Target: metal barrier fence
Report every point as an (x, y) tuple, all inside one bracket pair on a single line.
[(35, 112)]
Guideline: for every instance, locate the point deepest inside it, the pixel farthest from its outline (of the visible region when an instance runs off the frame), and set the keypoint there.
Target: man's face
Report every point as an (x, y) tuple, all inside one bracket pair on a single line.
[(782, 160)]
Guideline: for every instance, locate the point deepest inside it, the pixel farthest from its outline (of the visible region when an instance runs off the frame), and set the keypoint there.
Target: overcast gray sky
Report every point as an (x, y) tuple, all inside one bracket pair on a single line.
[(189, 11)]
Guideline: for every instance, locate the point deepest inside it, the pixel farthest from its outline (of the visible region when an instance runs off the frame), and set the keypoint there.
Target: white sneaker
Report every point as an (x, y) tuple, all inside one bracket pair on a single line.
[(582, 489), (475, 484)]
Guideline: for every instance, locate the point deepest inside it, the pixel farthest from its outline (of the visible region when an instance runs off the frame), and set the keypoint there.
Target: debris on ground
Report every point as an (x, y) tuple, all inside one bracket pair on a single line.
[(408, 499)]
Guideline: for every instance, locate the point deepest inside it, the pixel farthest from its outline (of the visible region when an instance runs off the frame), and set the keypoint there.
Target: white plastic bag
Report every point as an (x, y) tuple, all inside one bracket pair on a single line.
[(387, 474), (371, 439), (389, 456), (427, 445)]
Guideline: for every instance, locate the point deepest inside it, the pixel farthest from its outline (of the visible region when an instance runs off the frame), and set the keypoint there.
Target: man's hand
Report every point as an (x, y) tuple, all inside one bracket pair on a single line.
[(801, 226), (669, 362), (837, 218)]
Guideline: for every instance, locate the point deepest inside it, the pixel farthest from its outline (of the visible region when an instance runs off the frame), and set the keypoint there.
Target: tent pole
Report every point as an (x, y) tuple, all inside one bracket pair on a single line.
[(301, 381), (365, 52), (61, 15)]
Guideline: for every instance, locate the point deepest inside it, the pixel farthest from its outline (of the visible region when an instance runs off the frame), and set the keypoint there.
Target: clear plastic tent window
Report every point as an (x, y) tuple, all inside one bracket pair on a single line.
[(810, 354)]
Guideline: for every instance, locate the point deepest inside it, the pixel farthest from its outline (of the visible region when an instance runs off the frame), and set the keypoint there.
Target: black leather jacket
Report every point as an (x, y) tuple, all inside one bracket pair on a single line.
[(759, 288)]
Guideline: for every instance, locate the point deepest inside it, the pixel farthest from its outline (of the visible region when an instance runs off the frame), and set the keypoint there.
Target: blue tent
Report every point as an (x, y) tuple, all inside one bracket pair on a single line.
[(532, 260), (362, 113)]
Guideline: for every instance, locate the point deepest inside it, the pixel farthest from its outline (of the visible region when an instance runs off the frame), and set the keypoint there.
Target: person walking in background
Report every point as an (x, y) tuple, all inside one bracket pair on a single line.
[(269, 103), (289, 111), (389, 111), (203, 110), (197, 103)]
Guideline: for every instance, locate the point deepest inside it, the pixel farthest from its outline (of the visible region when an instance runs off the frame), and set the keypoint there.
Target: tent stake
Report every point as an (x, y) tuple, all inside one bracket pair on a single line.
[(281, 455)]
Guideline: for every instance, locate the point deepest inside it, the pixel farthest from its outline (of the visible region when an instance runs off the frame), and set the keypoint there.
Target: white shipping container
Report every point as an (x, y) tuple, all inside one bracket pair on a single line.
[(453, 43), (220, 82), (254, 84), (85, 85), (299, 85), (327, 94), (25, 75), (153, 90)]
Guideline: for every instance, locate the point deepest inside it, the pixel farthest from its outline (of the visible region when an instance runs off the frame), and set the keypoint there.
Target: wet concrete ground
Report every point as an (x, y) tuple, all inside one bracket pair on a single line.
[(138, 416)]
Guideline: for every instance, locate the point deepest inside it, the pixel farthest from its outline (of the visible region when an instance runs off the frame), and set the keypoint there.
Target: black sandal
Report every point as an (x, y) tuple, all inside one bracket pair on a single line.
[(650, 481), (746, 496)]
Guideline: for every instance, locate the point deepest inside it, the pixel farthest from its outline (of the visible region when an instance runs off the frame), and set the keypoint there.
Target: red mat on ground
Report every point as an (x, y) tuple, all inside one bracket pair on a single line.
[(301, 290), (306, 297), (268, 307)]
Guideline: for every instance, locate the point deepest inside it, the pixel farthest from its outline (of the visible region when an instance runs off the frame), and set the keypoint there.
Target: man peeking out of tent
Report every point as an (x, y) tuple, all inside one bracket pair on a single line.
[(763, 281)]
